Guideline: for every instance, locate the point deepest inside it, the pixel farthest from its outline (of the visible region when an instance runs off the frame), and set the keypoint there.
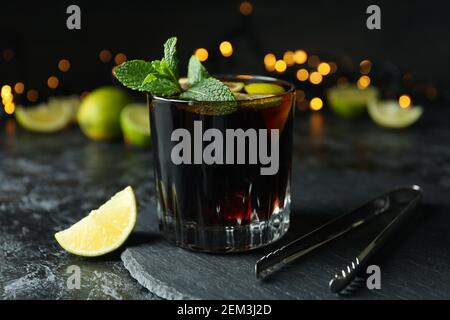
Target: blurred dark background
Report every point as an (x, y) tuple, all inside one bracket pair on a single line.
[(411, 53)]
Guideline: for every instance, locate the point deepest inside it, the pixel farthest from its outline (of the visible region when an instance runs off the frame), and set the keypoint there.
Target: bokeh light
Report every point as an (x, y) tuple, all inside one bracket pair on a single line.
[(201, 54), (120, 58), (324, 68), (226, 49), (64, 65), (105, 56), (10, 107), (53, 82), (315, 77), (6, 90), (300, 56), (269, 61), (246, 8), (302, 74), (32, 95), (365, 66), (404, 101), (288, 57), (280, 66), (7, 99), (316, 104), (363, 82), (19, 87)]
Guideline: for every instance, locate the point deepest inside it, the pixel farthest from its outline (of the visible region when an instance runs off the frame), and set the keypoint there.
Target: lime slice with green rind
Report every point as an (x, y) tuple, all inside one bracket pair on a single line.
[(263, 88), (72, 102), (45, 117), (104, 229), (135, 124), (389, 114), (257, 101), (234, 86), (350, 101)]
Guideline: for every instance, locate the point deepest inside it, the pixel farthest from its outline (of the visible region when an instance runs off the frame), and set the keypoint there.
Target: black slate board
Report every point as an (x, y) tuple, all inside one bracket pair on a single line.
[(414, 265)]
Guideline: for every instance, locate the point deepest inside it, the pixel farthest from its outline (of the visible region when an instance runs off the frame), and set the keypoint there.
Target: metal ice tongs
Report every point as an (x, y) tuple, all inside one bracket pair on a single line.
[(403, 200)]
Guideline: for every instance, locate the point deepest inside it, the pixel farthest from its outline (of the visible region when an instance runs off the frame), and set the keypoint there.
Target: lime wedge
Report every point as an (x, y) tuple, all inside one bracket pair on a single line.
[(70, 102), (44, 117), (263, 88), (389, 114), (104, 229), (135, 123), (350, 101), (234, 86)]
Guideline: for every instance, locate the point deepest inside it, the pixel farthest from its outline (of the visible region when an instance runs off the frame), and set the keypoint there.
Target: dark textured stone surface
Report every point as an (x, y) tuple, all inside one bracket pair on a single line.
[(49, 181)]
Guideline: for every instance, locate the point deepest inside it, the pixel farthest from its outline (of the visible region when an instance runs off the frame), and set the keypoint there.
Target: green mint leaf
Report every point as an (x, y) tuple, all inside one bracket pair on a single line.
[(132, 73), (162, 87), (196, 71), (165, 71), (209, 89), (156, 65), (149, 78), (159, 70), (170, 57)]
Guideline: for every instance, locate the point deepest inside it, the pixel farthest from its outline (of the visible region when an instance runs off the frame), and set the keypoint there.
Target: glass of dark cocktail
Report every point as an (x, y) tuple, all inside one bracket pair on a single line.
[(227, 187)]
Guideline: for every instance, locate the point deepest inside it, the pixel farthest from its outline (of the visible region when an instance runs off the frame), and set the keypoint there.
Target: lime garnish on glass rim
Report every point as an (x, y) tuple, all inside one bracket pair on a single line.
[(234, 86), (263, 88), (257, 101)]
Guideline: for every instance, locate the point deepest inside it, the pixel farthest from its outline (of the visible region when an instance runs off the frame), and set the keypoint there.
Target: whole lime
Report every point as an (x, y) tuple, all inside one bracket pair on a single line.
[(99, 113), (350, 101)]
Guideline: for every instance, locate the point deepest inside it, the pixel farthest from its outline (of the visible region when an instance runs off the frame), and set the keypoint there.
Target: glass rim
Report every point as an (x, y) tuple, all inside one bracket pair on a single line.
[(229, 77)]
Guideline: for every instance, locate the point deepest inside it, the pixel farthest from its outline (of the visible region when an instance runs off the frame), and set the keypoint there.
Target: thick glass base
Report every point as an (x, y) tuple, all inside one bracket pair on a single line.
[(222, 239)]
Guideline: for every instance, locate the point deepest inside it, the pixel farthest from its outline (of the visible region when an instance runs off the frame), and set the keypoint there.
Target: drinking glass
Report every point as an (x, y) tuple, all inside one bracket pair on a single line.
[(226, 205)]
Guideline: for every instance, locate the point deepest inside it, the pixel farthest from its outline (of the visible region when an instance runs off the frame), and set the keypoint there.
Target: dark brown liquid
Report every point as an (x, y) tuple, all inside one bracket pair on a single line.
[(219, 195)]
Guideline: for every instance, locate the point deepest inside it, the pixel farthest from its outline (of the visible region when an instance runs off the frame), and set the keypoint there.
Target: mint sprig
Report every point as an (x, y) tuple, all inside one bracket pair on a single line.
[(160, 77), (132, 74), (170, 57), (209, 89)]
